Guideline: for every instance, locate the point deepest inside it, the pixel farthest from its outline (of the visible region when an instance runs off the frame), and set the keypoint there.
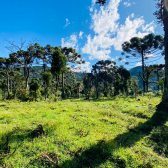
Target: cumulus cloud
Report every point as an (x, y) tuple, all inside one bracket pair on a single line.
[(67, 23), (80, 34), (129, 30), (139, 64), (82, 67), (109, 32), (70, 42)]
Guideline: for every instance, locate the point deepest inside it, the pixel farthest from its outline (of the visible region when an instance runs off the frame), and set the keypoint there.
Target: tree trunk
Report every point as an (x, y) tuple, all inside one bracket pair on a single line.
[(157, 78), (165, 23), (78, 92), (143, 69), (11, 85), (27, 83), (45, 93), (14, 85), (147, 86), (27, 78), (63, 85), (7, 75)]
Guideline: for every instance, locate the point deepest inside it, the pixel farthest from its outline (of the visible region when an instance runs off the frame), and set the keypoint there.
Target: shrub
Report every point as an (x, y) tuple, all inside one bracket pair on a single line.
[(23, 95)]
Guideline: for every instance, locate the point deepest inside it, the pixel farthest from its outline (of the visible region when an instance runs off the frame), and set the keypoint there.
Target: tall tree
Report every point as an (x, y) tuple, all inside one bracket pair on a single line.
[(102, 75), (162, 16), (88, 82), (72, 58), (5, 65), (58, 64), (26, 58), (46, 76), (142, 47)]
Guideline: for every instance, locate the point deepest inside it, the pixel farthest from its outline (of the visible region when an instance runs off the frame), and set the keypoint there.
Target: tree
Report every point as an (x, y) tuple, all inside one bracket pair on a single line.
[(58, 64), (162, 16), (134, 85), (78, 88), (46, 76), (159, 72), (147, 74), (102, 71), (125, 76), (72, 57), (88, 82), (26, 59), (142, 47), (34, 86), (5, 65)]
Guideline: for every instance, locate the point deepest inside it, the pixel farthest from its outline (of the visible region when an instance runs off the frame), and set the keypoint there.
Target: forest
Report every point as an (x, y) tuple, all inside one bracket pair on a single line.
[(55, 79), (52, 114)]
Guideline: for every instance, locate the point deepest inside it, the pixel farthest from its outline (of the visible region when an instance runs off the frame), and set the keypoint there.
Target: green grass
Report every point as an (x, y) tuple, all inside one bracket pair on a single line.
[(103, 133)]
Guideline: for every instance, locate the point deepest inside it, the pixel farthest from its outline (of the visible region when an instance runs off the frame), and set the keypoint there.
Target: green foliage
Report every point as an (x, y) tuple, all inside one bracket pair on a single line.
[(23, 95), (94, 133), (141, 47), (58, 63)]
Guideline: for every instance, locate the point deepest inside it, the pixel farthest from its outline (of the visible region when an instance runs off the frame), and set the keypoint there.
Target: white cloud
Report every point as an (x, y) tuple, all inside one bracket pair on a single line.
[(82, 67), (149, 55), (149, 27), (67, 23), (127, 4), (70, 42), (129, 30), (92, 6), (80, 34), (108, 31), (139, 64)]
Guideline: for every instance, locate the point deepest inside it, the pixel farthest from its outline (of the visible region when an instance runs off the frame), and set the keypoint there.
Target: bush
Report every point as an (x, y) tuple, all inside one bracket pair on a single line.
[(158, 93), (23, 95)]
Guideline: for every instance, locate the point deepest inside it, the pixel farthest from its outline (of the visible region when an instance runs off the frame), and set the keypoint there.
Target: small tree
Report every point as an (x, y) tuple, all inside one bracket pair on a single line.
[(47, 77), (34, 86), (134, 85)]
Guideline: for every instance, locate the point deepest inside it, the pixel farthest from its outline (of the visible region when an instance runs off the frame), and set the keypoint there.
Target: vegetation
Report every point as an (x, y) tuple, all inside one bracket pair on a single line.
[(49, 118), (142, 47), (118, 132)]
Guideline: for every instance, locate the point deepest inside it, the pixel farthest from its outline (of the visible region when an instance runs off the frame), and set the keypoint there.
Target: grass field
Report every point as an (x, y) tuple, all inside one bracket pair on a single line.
[(110, 133)]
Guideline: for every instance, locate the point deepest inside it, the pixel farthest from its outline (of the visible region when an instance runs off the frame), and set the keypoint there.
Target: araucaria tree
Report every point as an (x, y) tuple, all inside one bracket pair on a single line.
[(5, 64), (162, 16), (72, 57), (26, 59), (142, 48), (58, 64)]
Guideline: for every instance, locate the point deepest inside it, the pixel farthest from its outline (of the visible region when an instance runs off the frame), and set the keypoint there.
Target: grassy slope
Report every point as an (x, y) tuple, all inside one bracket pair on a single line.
[(104, 133)]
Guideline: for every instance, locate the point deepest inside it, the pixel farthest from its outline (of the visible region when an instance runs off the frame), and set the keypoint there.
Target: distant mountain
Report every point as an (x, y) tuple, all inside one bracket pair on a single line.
[(79, 76)]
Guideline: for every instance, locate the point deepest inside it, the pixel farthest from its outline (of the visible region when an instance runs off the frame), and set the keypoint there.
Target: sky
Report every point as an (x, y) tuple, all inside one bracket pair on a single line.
[(96, 32)]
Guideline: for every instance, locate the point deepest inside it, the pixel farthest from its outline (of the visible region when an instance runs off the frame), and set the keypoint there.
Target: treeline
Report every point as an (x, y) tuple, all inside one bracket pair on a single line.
[(57, 77), (15, 71)]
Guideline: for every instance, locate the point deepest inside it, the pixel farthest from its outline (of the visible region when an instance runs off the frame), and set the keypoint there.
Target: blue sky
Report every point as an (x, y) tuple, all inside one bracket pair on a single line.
[(95, 32)]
